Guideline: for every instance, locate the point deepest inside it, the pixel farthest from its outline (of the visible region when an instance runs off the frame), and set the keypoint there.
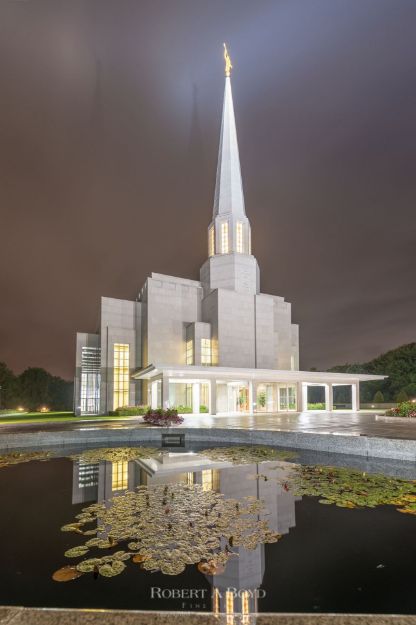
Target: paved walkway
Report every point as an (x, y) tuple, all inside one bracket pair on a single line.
[(352, 423), (347, 423)]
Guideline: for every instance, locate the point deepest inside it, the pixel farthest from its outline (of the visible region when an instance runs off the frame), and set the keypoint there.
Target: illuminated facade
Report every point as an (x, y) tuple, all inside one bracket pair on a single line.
[(214, 345)]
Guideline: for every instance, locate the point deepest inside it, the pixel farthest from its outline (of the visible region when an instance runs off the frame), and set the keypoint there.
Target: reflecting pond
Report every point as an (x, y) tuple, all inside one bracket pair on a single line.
[(225, 529)]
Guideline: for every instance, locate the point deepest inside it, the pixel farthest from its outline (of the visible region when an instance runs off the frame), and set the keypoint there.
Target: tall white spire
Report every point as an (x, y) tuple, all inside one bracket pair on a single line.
[(229, 197), (230, 264)]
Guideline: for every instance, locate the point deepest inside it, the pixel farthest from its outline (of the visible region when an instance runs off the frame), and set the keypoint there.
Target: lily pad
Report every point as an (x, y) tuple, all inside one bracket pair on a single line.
[(75, 552), (247, 455), (198, 523), (66, 574), (110, 570)]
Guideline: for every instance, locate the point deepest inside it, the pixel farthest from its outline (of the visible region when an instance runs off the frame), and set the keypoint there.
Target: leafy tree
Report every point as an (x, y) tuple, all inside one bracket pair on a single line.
[(398, 364), (60, 393), (34, 388), (378, 398), (34, 385), (8, 386), (410, 389)]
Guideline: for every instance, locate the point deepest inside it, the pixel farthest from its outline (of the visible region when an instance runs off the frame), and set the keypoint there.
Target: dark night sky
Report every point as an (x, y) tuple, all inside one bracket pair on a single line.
[(109, 127)]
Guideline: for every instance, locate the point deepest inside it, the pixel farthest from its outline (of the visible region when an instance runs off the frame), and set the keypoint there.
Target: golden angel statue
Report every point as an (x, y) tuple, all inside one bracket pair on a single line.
[(228, 64)]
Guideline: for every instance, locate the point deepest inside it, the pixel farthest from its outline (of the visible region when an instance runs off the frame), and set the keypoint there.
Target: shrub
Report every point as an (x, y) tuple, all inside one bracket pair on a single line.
[(188, 410), (183, 409), (162, 418), (401, 397), (405, 409), (129, 411), (316, 406), (378, 398)]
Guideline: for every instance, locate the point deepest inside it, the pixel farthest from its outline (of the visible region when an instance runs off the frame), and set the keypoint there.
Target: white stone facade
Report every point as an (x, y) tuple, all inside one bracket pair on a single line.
[(206, 328)]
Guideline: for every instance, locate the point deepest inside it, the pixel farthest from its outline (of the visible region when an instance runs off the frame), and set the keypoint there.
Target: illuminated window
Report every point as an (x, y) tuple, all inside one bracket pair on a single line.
[(214, 352), (188, 395), (87, 474), (207, 479), (121, 375), (206, 352), (224, 238), (120, 475), (211, 241), (229, 602), (190, 352), (210, 479), (216, 600), (245, 607), (190, 479), (204, 394), (90, 380), (240, 238)]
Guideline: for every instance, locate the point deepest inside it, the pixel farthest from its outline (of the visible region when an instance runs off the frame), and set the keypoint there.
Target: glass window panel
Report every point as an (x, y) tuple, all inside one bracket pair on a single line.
[(189, 356), (120, 475), (224, 238), (121, 375), (239, 237), (206, 352), (211, 241)]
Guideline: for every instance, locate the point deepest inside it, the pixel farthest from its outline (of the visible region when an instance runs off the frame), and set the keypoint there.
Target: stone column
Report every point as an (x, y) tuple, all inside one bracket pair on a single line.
[(329, 397), (304, 404), (254, 386), (196, 400), (299, 398), (154, 394), (250, 397), (165, 392), (355, 396), (213, 397)]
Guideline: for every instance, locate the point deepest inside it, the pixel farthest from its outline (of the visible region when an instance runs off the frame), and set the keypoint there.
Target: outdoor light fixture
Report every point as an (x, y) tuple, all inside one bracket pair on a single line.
[(44, 409), (20, 409)]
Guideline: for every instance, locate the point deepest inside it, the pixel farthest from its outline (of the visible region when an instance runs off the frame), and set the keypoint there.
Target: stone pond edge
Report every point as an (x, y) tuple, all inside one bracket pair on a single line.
[(65, 616), (367, 446)]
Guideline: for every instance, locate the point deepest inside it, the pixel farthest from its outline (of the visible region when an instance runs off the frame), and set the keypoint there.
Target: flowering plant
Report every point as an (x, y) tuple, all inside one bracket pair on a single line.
[(162, 417), (405, 409)]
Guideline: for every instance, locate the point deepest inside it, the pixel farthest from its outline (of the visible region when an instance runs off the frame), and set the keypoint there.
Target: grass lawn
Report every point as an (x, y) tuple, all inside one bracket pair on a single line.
[(45, 417)]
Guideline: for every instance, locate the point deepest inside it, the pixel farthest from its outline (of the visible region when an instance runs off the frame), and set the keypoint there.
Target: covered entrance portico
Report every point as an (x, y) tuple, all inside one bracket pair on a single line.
[(329, 390), (223, 390)]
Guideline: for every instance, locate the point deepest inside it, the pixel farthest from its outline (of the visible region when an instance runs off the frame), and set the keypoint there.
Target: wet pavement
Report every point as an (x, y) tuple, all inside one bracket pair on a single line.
[(341, 423)]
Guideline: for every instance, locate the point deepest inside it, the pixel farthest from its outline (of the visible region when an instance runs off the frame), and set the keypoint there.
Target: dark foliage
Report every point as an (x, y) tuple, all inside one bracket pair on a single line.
[(33, 389), (399, 364), (162, 417)]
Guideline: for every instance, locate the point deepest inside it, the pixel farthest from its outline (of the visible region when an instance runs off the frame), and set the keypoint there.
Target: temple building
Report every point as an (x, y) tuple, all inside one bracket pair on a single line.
[(215, 345)]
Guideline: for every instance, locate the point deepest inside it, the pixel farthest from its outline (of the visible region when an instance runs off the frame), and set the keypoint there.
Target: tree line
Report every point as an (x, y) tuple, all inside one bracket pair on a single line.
[(399, 364), (34, 388)]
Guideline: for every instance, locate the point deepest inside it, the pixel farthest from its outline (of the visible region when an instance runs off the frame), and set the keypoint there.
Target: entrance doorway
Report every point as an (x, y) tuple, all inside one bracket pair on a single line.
[(287, 397), (243, 399), (238, 398)]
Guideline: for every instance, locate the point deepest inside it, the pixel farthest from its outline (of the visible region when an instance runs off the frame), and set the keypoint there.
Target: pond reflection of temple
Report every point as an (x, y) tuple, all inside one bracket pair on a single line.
[(237, 589)]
